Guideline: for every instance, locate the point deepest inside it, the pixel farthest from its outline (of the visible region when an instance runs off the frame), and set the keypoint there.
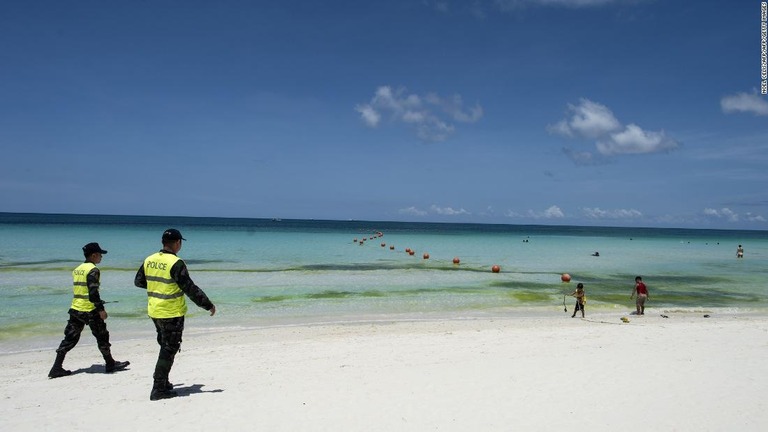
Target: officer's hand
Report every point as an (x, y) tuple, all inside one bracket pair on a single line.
[(213, 310), (103, 315)]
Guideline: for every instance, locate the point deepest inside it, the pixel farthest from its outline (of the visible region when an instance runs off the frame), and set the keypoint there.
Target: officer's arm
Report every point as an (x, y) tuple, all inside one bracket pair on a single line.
[(93, 288), (180, 274), (141, 279)]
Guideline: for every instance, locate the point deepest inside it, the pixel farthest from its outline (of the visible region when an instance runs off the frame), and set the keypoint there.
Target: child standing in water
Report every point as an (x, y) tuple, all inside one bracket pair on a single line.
[(642, 295), (581, 299)]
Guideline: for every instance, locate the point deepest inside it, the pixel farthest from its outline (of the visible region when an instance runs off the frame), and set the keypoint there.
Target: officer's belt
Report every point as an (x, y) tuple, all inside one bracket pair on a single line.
[(165, 296)]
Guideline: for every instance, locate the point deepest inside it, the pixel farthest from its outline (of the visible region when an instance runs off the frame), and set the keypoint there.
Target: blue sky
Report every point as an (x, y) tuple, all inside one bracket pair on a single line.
[(568, 112)]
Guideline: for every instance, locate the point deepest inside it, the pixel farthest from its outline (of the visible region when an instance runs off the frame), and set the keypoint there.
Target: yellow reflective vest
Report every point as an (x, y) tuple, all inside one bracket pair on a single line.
[(80, 287), (165, 298)]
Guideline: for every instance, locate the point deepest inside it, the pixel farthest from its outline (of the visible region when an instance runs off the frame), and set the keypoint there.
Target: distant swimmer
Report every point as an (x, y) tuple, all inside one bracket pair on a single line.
[(596, 253), (740, 252)]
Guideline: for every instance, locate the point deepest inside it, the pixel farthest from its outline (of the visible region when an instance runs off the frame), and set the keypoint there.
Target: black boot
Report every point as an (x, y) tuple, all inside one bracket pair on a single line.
[(162, 390), (58, 371), (115, 366)]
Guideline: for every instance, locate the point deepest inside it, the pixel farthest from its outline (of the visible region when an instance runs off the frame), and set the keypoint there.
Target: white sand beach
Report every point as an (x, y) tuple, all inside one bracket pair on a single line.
[(683, 373)]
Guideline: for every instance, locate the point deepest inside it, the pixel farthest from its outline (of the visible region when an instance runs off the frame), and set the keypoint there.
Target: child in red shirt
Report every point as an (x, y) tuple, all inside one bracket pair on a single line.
[(642, 295)]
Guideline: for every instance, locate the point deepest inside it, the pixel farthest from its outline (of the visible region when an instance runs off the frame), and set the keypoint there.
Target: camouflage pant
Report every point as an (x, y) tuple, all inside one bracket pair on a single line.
[(77, 322), (169, 331)]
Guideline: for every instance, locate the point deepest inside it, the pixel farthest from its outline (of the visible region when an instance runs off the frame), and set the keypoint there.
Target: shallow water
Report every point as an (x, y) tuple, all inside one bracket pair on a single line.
[(264, 272)]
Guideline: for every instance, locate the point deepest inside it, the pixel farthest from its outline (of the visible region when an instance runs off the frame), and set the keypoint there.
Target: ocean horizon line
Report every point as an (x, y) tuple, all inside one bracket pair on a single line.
[(96, 218)]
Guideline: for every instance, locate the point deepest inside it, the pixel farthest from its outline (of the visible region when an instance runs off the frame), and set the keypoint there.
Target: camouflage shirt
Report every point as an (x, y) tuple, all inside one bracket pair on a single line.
[(93, 282)]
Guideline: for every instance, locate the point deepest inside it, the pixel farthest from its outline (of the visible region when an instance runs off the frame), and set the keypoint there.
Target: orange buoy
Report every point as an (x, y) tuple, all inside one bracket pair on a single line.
[(425, 256), (565, 277), (495, 268), (456, 260)]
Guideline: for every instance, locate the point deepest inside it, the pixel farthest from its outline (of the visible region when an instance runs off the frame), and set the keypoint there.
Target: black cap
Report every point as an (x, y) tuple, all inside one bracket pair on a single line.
[(172, 235), (92, 248)]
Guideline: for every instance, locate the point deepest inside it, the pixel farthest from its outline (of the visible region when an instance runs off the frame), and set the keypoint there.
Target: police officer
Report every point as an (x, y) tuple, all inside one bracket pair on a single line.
[(166, 279), (87, 309)]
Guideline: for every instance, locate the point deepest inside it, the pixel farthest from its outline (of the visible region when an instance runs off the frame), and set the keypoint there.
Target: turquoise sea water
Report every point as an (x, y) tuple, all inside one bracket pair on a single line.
[(262, 272)]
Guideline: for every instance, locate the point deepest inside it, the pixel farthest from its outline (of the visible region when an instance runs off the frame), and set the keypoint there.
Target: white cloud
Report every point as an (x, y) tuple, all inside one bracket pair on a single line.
[(634, 140), (598, 213), (744, 102), (723, 213), (433, 129), (589, 119), (553, 212), (413, 211), (454, 107), (448, 211), (430, 115), (592, 120), (731, 216), (413, 117), (369, 115)]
